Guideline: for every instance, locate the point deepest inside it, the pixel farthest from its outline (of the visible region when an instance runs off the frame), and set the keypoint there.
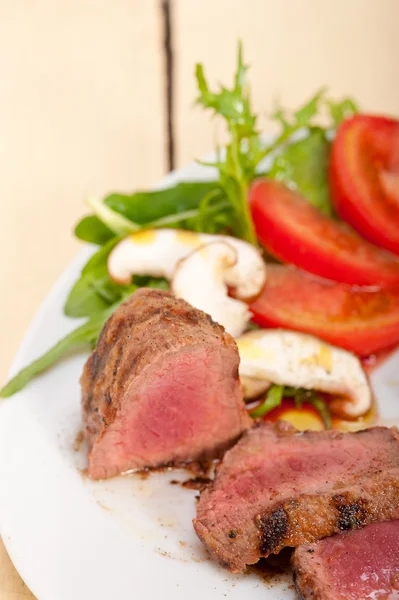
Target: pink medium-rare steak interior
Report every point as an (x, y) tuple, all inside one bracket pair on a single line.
[(356, 565), (160, 388), (278, 487)]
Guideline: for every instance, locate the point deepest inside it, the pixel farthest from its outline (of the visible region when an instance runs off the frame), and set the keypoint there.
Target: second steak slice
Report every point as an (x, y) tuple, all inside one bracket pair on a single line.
[(160, 388), (278, 487), (352, 566)]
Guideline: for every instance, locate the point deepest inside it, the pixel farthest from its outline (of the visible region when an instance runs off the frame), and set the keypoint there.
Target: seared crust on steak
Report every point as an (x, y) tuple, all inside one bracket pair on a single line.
[(278, 487), (150, 326)]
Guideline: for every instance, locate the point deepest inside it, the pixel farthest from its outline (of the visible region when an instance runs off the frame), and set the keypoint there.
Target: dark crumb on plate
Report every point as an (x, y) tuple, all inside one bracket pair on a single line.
[(84, 473), (77, 444), (198, 483), (201, 468)]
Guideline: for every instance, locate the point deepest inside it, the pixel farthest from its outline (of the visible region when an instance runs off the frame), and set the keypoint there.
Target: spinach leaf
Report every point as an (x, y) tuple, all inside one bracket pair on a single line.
[(91, 229), (303, 166), (115, 221), (99, 259), (146, 207), (150, 282), (93, 292), (171, 207)]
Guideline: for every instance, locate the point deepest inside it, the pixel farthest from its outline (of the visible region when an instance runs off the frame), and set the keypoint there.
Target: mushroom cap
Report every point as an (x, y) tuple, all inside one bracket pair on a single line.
[(303, 361), (156, 252)]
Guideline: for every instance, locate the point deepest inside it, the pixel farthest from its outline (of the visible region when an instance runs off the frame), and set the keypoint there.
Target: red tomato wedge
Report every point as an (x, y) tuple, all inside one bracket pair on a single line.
[(291, 229), (359, 320), (364, 178)]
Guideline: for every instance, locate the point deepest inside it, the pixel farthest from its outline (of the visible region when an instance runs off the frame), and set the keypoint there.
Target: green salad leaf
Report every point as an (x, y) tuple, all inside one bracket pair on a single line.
[(113, 219), (91, 229), (276, 393), (273, 399), (92, 293), (303, 166), (218, 206), (82, 338), (238, 167), (300, 119), (170, 207), (145, 208), (342, 110)]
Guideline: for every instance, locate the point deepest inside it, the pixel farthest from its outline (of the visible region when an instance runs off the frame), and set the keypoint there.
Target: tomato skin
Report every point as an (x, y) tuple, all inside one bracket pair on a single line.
[(361, 320), (295, 232), (364, 178)]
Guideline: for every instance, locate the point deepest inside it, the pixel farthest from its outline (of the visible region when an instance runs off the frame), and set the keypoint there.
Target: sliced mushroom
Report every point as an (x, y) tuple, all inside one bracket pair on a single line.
[(156, 252), (200, 279), (303, 361)]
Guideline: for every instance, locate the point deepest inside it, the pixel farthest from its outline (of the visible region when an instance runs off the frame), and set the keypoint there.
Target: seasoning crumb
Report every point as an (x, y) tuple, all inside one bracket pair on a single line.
[(198, 483), (77, 444), (232, 534)]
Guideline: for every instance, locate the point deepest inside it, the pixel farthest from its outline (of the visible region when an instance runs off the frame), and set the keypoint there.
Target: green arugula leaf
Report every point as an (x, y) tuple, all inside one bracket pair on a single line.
[(313, 398), (322, 407), (276, 393), (91, 229), (273, 399), (234, 106), (303, 166), (84, 337), (342, 110), (303, 117), (292, 123)]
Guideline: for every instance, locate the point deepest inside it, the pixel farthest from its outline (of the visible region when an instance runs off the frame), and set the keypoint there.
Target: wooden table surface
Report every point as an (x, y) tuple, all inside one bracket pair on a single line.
[(83, 111)]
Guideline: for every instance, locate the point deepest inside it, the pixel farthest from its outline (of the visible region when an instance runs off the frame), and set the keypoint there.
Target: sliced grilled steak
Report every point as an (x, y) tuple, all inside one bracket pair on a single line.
[(160, 388), (278, 487), (353, 566)]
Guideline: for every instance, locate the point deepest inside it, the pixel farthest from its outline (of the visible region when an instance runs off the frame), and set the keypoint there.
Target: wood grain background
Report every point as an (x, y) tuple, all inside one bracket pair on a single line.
[(84, 110)]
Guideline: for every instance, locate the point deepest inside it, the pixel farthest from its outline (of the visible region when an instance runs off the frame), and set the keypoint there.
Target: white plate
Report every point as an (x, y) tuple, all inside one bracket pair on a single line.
[(127, 538)]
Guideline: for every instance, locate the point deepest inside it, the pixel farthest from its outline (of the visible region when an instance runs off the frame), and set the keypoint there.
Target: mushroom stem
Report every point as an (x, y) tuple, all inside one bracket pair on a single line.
[(200, 279)]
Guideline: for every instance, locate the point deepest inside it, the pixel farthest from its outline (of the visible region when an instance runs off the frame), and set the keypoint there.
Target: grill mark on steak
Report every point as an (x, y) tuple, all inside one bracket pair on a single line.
[(149, 344), (273, 529), (352, 515), (279, 488)]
